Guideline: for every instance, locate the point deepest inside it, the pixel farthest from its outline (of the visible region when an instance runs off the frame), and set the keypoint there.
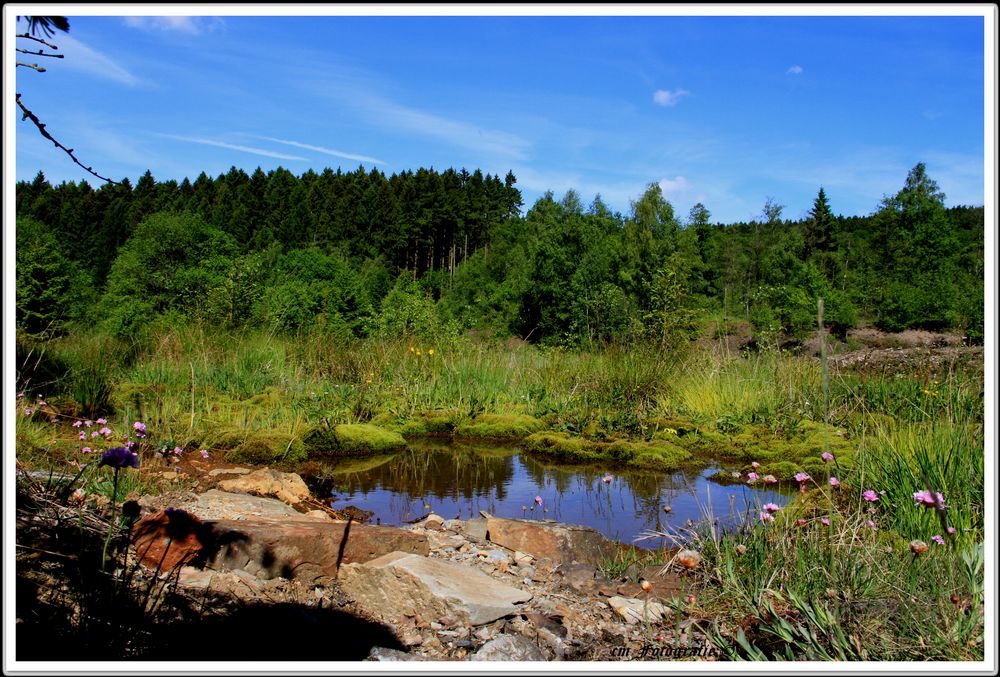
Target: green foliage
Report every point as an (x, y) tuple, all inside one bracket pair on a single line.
[(407, 311)]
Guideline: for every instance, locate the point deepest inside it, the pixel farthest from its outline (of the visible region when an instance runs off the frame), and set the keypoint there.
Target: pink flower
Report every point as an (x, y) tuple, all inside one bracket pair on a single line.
[(766, 516), (802, 477), (870, 496), (928, 499), (94, 434), (770, 479), (538, 500), (106, 431), (29, 412), (937, 539), (177, 451), (825, 520), (77, 424), (607, 479), (872, 511), (871, 524), (802, 521), (204, 453), (86, 450), (826, 456), (834, 482), (89, 423), (83, 435), (140, 429), (752, 477), (755, 465), (952, 530), (42, 403), (101, 421), (771, 507)]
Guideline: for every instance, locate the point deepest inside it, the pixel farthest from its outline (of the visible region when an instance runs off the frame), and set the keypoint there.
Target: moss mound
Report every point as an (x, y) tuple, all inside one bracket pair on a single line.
[(258, 447), (352, 439), (500, 426), (653, 455)]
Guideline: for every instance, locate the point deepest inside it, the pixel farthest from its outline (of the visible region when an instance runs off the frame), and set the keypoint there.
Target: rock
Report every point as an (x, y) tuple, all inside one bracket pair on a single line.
[(400, 583), (558, 542), (287, 487), (508, 648), (168, 539), (637, 610), (494, 556), (475, 529), (522, 558), (433, 521), (382, 654), (221, 505), (665, 583), (303, 549), (228, 471)]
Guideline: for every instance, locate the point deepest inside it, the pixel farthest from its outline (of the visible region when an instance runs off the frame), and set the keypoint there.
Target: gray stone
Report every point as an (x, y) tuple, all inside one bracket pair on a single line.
[(383, 655), (475, 529), (508, 648), (222, 505), (637, 610), (403, 584)]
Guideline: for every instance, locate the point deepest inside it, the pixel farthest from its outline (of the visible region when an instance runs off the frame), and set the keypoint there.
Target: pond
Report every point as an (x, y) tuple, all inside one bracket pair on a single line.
[(458, 480)]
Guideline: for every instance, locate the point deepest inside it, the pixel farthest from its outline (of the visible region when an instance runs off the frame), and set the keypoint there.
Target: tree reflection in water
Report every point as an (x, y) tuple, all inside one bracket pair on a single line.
[(461, 479)]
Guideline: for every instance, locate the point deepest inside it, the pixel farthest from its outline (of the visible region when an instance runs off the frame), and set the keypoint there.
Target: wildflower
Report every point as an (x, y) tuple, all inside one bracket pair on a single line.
[(871, 525), (78, 497), (101, 421), (834, 482), (88, 423), (802, 477), (937, 539), (826, 456), (29, 412), (607, 479), (752, 477), (918, 547), (690, 599), (825, 521), (771, 507), (770, 479), (951, 530), (872, 511), (411, 349), (741, 549), (140, 429), (430, 351), (204, 453), (83, 435), (77, 424), (177, 451), (538, 500), (766, 516), (42, 403), (689, 559), (86, 450), (20, 396), (667, 509), (130, 444), (870, 496), (927, 499), (755, 465), (645, 585), (119, 457), (802, 521), (418, 352), (94, 434)]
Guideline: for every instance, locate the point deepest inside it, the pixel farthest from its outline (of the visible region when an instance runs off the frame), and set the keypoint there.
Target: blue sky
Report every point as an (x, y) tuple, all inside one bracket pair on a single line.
[(727, 111)]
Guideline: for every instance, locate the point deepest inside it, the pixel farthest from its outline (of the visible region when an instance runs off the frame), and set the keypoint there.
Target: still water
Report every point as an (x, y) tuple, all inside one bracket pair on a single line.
[(457, 480)]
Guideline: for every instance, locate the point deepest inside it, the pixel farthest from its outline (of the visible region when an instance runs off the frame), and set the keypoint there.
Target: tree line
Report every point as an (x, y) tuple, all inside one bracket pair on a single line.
[(361, 253)]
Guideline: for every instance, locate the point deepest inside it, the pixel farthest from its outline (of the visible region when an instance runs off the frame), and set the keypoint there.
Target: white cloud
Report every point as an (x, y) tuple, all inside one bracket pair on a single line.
[(327, 151), (192, 25), (675, 186), (83, 58), (233, 146), (665, 97), (794, 70)]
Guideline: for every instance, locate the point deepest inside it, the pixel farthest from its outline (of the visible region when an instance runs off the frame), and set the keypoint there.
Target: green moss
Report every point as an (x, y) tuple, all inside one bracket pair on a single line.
[(352, 439), (500, 426), (783, 471), (654, 455), (258, 447), (271, 397)]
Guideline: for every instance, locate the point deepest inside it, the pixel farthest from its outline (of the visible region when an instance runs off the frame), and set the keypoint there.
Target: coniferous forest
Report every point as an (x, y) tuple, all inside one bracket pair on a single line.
[(361, 253)]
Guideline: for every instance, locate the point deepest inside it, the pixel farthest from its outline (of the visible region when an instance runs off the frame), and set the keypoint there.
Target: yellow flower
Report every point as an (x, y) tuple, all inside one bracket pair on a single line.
[(418, 352), (430, 351), (411, 349)]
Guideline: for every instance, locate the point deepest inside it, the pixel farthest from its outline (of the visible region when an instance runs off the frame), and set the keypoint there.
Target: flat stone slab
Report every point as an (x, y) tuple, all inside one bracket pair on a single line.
[(284, 486), (637, 610), (402, 584), (304, 548), (223, 505), (556, 541)]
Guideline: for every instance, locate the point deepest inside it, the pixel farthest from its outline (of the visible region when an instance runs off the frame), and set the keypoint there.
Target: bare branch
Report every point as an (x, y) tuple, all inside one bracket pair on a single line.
[(28, 115), (31, 65), (40, 53), (32, 37)]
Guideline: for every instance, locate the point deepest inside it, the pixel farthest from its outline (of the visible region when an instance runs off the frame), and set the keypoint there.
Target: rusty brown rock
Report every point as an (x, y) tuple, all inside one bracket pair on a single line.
[(556, 541), (168, 539), (303, 549)]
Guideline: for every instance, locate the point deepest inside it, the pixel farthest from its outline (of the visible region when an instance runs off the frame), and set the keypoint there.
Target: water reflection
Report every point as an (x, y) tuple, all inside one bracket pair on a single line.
[(460, 480)]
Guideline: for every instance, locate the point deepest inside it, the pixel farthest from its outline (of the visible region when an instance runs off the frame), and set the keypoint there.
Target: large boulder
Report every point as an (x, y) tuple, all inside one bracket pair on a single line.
[(287, 487), (222, 505), (168, 539), (556, 541), (401, 584)]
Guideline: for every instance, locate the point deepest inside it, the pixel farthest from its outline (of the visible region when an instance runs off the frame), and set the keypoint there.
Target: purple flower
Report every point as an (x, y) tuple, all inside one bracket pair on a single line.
[(177, 451), (77, 424), (770, 479), (834, 482), (871, 524), (826, 456), (94, 434), (928, 499), (83, 435), (140, 429), (951, 530), (101, 421), (119, 457), (106, 431), (771, 507), (42, 403), (20, 396), (752, 477), (89, 423), (937, 539), (538, 500), (825, 520), (755, 465), (802, 477), (130, 444), (86, 450), (870, 496), (765, 516), (204, 453), (29, 412)]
